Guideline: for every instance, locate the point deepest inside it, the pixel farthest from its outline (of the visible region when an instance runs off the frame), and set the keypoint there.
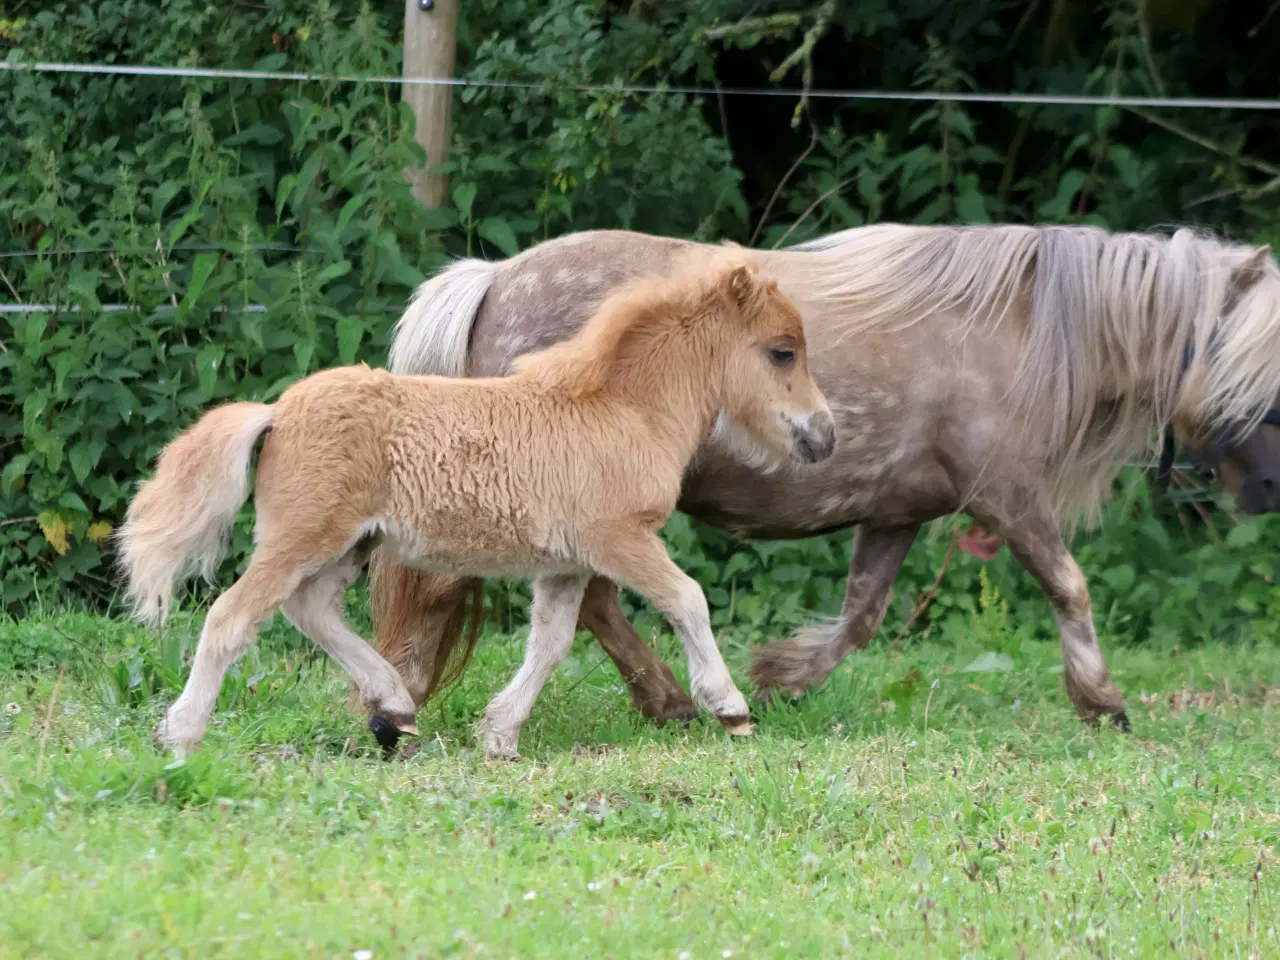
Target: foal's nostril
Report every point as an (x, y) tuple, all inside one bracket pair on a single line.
[(1268, 484)]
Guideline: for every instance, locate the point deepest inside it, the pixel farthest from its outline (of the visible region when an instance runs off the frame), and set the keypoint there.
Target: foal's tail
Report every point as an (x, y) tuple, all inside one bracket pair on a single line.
[(178, 523)]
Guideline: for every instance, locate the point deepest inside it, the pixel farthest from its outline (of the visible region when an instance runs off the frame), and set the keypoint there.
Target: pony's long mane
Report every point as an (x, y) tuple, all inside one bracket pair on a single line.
[(645, 305), (1113, 319)]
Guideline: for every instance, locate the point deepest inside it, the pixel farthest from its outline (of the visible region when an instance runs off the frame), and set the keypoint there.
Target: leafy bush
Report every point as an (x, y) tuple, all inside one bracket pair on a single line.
[(256, 231)]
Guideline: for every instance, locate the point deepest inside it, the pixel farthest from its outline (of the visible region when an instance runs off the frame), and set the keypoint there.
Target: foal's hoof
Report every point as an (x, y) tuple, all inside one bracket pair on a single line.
[(388, 730), (739, 726)]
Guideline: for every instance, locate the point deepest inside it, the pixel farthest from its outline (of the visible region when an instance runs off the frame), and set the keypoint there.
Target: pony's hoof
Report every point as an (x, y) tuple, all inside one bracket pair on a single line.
[(682, 714)]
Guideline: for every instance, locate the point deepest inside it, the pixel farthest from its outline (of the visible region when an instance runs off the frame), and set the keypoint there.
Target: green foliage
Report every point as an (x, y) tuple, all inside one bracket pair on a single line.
[(258, 231)]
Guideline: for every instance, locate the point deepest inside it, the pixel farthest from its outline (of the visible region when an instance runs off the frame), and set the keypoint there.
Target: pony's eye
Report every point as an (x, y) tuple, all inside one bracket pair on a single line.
[(782, 356)]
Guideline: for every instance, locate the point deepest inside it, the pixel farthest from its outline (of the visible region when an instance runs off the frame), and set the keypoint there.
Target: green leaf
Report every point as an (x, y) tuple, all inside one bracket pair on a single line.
[(62, 364), (332, 272), (208, 360), (200, 273), (81, 459), (439, 218), (13, 470), (1243, 535), (1059, 208), (1120, 579), (352, 207), (70, 500), (499, 233), (350, 331), (990, 662), (464, 195), (179, 229), (971, 206)]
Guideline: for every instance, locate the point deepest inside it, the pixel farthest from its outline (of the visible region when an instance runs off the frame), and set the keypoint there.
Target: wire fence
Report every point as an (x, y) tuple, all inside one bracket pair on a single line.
[(934, 96)]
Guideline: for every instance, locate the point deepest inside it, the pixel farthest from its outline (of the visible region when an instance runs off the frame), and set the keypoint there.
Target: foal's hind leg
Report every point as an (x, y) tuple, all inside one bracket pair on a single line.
[(636, 558), (655, 692), (807, 658), (552, 620), (1023, 519), (315, 608), (230, 628)]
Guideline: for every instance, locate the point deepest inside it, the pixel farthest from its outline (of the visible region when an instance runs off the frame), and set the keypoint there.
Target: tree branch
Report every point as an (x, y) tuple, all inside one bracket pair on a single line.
[(1260, 165)]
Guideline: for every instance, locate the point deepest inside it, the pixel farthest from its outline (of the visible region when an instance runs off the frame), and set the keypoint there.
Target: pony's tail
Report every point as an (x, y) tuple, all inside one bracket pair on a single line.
[(178, 523), (432, 335)]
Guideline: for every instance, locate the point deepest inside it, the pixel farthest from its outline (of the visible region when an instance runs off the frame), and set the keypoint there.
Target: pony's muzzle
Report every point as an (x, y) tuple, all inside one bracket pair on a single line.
[(814, 436)]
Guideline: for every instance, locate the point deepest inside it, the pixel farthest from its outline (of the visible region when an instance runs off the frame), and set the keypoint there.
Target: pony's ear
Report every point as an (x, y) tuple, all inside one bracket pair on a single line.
[(741, 284), (1252, 270)]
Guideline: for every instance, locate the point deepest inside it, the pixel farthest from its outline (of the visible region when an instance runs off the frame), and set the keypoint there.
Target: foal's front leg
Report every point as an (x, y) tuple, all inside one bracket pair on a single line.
[(655, 692), (636, 558), (552, 620), (1022, 517)]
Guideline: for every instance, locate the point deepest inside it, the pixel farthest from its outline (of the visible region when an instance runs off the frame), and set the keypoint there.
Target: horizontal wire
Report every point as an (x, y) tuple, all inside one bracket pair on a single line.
[(933, 96)]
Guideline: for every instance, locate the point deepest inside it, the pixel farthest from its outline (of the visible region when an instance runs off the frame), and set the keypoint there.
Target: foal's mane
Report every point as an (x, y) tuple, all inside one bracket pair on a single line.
[(1125, 331), (646, 306)]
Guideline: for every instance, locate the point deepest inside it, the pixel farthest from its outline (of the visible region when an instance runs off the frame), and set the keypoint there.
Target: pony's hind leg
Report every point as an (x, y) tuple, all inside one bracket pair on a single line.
[(418, 621), (637, 559), (1034, 538), (807, 658), (655, 692), (315, 608), (556, 600), (230, 628)]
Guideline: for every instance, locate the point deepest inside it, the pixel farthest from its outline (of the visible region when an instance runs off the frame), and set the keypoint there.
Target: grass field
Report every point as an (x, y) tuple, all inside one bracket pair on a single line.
[(928, 801)]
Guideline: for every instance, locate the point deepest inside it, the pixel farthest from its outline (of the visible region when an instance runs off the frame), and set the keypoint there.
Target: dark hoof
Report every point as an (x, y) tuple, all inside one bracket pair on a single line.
[(1120, 721), (384, 731), (682, 713)]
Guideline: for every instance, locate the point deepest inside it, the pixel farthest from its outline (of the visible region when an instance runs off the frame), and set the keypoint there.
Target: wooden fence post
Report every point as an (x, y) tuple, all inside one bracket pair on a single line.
[(430, 28)]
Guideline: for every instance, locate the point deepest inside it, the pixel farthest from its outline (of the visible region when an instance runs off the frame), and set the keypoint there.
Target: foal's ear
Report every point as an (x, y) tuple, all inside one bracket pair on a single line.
[(741, 283), (1252, 270)]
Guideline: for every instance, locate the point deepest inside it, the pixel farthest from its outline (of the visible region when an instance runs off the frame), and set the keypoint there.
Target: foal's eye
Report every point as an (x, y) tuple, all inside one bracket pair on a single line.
[(782, 356)]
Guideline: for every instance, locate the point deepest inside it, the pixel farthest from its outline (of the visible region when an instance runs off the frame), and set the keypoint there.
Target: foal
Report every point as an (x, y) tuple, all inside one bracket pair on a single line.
[(566, 469)]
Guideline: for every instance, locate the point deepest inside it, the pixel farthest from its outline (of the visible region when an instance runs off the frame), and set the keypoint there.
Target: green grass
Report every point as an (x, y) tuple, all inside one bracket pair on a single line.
[(907, 808)]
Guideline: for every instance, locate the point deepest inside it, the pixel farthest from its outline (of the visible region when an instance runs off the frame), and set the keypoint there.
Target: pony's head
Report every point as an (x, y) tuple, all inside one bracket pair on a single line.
[(1242, 448), (1247, 466), (770, 408)]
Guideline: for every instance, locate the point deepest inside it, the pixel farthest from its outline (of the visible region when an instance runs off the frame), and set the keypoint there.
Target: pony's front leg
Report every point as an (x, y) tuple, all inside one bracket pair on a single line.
[(807, 658), (637, 559), (1022, 517), (552, 621)]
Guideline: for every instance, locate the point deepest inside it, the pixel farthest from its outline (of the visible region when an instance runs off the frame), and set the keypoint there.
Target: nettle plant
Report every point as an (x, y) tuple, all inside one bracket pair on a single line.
[(244, 235)]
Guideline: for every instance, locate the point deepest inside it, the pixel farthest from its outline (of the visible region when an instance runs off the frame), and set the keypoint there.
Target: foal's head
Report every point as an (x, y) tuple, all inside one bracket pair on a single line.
[(771, 408)]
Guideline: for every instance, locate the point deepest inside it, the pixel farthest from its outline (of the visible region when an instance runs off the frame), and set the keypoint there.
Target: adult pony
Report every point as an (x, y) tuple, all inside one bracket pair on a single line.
[(567, 468), (1004, 371)]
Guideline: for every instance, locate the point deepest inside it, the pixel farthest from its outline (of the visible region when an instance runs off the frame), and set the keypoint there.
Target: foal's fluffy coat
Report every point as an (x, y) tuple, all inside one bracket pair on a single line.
[(566, 468)]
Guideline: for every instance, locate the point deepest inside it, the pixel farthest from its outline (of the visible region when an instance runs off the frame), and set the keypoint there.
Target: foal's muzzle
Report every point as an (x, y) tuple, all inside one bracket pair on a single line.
[(814, 436)]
